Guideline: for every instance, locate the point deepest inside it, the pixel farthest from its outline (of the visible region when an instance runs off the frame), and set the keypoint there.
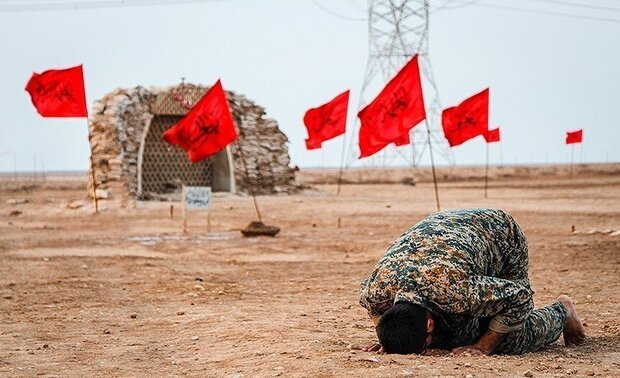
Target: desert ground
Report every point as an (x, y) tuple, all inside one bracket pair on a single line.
[(126, 293)]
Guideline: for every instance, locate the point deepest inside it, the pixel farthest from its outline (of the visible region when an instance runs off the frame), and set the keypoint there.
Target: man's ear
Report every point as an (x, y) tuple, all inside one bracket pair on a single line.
[(430, 323)]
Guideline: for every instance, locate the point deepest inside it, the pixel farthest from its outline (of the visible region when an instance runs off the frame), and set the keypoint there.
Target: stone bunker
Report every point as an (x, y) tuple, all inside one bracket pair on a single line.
[(132, 162)]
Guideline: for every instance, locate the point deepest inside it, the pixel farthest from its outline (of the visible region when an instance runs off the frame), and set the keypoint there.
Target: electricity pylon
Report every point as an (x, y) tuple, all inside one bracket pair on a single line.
[(398, 30)]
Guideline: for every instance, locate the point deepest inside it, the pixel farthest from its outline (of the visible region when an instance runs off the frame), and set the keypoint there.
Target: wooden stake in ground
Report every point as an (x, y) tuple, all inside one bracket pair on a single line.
[(92, 171)]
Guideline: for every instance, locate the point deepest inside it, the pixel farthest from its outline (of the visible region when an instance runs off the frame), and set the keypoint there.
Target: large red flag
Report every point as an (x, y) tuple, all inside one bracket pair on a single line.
[(574, 136), (58, 93), (207, 128), (396, 110), (467, 120), (327, 121), (492, 135)]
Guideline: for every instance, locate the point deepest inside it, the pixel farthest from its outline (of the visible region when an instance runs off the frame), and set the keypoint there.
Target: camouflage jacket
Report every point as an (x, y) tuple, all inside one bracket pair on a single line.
[(461, 265)]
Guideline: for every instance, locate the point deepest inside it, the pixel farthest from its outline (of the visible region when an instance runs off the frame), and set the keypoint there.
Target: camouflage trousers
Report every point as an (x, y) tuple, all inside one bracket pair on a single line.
[(542, 327)]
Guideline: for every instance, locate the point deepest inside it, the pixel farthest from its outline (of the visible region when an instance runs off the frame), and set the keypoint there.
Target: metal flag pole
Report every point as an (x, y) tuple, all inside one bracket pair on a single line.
[(430, 149), (486, 174), (342, 153), (572, 153), (247, 177)]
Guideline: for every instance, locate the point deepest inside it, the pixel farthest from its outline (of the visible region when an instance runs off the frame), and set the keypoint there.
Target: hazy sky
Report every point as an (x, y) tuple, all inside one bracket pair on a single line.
[(547, 74)]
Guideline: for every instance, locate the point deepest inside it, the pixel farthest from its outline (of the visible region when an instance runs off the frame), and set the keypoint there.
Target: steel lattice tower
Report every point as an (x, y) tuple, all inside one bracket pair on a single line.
[(398, 30)]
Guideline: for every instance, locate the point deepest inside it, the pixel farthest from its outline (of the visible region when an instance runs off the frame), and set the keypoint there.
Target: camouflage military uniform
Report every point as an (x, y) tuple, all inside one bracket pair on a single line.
[(469, 269)]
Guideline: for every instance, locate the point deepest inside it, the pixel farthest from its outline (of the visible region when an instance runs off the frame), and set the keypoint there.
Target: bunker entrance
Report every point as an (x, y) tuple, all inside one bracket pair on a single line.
[(164, 169)]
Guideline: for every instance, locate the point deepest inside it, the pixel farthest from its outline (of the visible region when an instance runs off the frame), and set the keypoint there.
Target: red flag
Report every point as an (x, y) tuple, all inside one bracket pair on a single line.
[(207, 128), (574, 136), (396, 110), (327, 121), (58, 93), (492, 135), (467, 120)]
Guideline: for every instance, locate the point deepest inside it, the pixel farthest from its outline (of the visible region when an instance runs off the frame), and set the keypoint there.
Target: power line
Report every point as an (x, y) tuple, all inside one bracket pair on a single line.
[(447, 5), (550, 13), (541, 11), (24, 6), (338, 15), (579, 5)]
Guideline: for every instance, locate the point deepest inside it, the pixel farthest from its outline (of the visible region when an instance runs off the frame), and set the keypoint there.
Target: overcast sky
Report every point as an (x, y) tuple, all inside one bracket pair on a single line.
[(547, 74)]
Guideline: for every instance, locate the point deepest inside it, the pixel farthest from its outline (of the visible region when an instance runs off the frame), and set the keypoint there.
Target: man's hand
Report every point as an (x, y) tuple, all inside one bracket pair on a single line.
[(483, 347), (374, 347)]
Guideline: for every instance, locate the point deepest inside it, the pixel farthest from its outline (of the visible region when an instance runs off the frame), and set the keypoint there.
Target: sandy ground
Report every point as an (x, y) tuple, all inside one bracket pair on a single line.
[(125, 293)]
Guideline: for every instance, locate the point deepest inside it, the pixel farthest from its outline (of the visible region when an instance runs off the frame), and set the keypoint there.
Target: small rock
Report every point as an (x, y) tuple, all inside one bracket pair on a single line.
[(45, 346), (199, 287), (469, 376), (16, 201), (84, 266), (467, 364), (133, 315), (195, 338), (180, 313), (14, 213), (73, 205), (46, 259), (528, 374), (220, 292), (200, 279), (303, 314), (7, 296), (407, 373), (590, 373), (278, 368), (371, 359), (588, 296), (11, 284), (107, 331)]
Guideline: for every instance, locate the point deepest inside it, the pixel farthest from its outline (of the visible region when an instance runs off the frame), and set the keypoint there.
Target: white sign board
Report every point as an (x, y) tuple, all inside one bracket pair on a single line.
[(196, 197)]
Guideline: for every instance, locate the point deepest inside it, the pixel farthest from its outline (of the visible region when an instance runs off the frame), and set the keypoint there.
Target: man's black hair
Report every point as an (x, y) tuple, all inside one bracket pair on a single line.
[(402, 329)]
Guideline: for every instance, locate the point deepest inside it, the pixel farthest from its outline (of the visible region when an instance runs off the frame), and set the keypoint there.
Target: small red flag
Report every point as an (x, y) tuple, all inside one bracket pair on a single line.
[(58, 93), (574, 136), (396, 110), (207, 128), (492, 135), (467, 120), (327, 121)]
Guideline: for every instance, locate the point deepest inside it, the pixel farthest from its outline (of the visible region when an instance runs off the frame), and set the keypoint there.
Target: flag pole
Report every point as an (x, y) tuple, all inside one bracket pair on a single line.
[(344, 143), (247, 177), (92, 169), (430, 149), (572, 153), (486, 174)]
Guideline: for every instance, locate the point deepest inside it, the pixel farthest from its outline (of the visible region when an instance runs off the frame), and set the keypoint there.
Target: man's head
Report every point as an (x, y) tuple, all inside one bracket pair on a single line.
[(405, 328)]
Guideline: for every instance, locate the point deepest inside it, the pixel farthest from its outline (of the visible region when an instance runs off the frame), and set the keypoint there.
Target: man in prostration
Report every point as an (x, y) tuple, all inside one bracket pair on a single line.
[(458, 280)]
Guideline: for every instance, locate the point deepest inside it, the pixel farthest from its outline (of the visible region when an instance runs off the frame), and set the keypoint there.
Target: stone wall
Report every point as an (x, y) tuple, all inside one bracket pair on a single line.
[(118, 122)]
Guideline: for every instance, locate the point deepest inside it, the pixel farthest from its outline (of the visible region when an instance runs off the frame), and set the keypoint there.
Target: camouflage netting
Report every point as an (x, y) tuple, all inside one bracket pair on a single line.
[(131, 161)]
